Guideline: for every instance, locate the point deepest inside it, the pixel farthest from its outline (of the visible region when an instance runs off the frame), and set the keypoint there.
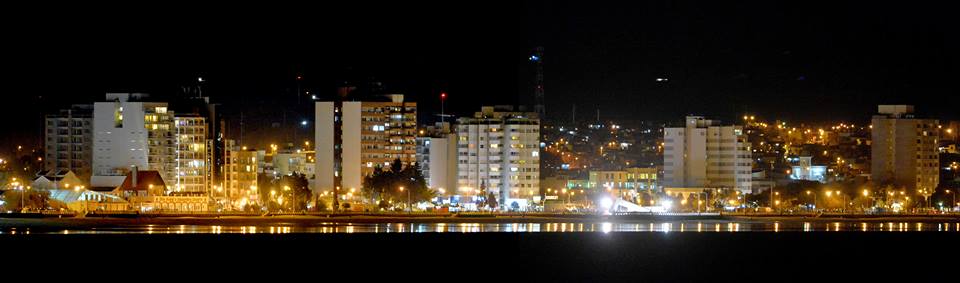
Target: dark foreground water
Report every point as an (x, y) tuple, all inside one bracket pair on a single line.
[(835, 256), (280, 250), (22, 227)]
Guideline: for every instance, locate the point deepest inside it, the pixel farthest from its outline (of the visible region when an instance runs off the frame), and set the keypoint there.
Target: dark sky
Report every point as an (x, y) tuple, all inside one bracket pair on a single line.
[(795, 60)]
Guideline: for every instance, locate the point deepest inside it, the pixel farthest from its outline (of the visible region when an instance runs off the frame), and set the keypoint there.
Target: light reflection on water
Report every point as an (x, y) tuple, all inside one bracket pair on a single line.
[(602, 227)]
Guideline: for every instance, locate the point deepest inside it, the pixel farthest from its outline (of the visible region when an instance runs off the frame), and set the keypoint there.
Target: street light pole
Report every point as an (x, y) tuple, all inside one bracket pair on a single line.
[(408, 199), (814, 201)]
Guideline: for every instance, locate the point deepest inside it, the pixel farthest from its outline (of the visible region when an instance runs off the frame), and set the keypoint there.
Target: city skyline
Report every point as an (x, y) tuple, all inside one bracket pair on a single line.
[(548, 140)]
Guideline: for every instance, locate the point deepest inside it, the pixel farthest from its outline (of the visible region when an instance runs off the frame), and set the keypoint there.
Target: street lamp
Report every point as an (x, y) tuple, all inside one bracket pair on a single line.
[(843, 198), (273, 193), (83, 200), (408, 199), (866, 193), (815, 205), (292, 203), (954, 203)]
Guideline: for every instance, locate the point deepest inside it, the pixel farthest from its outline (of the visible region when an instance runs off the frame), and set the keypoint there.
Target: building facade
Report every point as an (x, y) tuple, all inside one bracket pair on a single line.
[(128, 132), (191, 172), (498, 149), (704, 154), (905, 148), (68, 142), (240, 175), (805, 170), (437, 158), (354, 137)]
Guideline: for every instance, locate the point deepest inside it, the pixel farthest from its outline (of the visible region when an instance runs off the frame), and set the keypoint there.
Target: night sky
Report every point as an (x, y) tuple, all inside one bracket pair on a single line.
[(798, 60)]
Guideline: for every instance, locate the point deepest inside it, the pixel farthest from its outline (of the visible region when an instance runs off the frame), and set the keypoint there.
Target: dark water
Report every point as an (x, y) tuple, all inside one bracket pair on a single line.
[(640, 251), (718, 226)]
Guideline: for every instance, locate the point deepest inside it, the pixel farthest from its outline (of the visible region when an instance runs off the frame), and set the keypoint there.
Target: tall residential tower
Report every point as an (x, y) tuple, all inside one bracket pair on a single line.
[(704, 154), (499, 149), (904, 149)]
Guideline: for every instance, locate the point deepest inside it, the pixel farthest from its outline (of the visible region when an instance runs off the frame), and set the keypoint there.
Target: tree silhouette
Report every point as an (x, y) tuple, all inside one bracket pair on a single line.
[(384, 185)]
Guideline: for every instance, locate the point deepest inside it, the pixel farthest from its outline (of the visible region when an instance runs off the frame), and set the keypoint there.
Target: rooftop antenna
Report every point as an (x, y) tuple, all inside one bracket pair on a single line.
[(573, 119), (443, 97), (537, 59)]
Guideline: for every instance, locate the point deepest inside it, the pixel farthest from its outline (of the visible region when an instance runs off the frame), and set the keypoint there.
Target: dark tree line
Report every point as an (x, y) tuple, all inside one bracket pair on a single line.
[(383, 186)]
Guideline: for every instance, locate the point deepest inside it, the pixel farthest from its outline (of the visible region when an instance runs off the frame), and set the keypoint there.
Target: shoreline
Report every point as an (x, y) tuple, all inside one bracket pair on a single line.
[(75, 222)]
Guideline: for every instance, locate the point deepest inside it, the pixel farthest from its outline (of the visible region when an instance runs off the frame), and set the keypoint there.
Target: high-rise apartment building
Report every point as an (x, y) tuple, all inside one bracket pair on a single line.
[(191, 165), (904, 148), (704, 154), (437, 157), (240, 175), (128, 131), (499, 149), (68, 141), (354, 137)]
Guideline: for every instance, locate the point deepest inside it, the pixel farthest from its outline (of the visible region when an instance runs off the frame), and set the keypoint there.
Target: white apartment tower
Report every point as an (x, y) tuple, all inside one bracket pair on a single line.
[(437, 157), (128, 132), (500, 149), (904, 149), (704, 154)]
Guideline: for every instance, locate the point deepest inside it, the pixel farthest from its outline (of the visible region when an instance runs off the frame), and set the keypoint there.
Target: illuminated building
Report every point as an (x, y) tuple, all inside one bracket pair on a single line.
[(354, 137), (131, 132), (68, 141), (704, 154), (437, 157), (240, 174), (499, 148), (191, 167), (905, 148), (805, 170)]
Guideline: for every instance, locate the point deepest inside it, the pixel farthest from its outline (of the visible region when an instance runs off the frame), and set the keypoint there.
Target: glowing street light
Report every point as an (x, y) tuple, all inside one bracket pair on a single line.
[(408, 199)]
